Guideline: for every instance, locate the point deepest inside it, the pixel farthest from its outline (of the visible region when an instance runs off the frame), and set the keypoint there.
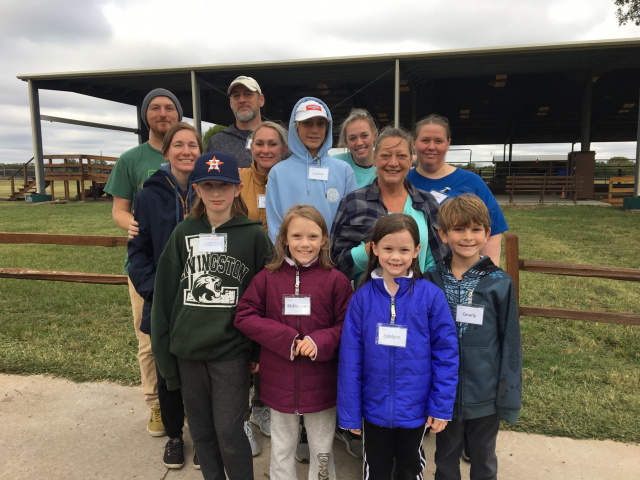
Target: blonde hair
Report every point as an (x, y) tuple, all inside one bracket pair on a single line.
[(282, 133), (463, 211), (238, 207), (356, 114), (168, 137), (280, 247)]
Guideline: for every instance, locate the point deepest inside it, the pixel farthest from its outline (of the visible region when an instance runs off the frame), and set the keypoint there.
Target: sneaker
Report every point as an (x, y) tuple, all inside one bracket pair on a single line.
[(302, 450), (155, 427), (196, 462), (261, 417), (174, 453), (353, 441), (255, 449)]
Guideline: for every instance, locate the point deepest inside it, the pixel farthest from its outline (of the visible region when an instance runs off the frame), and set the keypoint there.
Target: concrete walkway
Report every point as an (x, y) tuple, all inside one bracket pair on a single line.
[(56, 429)]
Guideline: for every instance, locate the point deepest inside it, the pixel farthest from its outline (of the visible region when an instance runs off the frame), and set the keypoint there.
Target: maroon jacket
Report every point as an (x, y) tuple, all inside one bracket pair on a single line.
[(302, 385)]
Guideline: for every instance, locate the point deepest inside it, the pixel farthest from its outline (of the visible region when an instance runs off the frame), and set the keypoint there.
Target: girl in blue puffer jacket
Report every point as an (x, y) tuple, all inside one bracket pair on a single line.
[(398, 355)]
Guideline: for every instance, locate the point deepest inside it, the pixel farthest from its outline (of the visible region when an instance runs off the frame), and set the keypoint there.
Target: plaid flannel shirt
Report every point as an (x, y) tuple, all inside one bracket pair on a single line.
[(358, 212)]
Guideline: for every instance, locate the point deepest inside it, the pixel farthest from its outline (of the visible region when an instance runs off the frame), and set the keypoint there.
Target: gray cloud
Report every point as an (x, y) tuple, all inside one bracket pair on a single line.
[(66, 35), (60, 21)]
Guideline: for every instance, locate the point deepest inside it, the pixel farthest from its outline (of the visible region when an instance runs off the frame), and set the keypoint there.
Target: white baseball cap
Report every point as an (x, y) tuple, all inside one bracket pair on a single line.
[(310, 109), (248, 82)]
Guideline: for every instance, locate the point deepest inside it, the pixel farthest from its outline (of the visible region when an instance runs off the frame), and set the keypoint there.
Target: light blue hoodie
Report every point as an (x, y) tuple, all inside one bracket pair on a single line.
[(289, 183)]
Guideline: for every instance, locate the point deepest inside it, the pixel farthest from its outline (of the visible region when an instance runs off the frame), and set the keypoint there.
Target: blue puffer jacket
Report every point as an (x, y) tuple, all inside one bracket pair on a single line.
[(392, 386)]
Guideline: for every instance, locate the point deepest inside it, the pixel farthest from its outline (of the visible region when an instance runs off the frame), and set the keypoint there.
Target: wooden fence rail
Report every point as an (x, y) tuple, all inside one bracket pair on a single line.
[(52, 239), (514, 265)]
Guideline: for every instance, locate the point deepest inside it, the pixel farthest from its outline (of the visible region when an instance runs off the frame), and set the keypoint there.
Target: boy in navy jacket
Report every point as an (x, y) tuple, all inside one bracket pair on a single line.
[(483, 304)]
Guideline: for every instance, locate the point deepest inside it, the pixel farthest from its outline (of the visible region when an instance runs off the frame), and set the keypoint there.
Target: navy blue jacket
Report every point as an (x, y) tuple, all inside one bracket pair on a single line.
[(391, 386), (490, 377), (158, 208)]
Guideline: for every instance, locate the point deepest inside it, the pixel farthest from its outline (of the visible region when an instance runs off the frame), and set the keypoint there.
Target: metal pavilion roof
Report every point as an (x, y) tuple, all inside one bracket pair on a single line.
[(518, 94)]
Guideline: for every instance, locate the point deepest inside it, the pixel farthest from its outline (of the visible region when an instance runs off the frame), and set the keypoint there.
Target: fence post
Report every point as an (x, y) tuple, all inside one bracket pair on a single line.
[(512, 255)]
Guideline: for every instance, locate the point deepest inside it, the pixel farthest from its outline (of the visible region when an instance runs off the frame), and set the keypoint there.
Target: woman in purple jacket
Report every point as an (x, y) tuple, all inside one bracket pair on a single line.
[(295, 308)]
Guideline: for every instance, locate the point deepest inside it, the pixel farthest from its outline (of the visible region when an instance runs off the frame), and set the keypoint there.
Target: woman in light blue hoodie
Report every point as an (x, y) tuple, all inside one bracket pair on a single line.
[(310, 176)]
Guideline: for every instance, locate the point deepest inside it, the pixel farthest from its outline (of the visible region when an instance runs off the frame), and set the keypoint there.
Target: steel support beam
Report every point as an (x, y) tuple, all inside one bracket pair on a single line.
[(49, 118), (195, 98), (636, 185), (143, 131), (36, 133), (396, 96), (585, 137)]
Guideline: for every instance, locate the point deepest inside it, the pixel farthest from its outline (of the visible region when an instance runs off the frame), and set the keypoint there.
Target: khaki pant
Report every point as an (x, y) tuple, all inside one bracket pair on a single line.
[(145, 355)]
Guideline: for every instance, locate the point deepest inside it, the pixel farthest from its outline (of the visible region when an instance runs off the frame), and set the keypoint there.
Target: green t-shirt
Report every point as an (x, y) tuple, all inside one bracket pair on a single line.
[(129, 173), (364, 175)]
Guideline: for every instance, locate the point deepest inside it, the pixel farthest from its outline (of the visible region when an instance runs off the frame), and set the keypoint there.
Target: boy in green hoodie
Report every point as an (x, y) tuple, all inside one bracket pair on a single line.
[(205, 268)]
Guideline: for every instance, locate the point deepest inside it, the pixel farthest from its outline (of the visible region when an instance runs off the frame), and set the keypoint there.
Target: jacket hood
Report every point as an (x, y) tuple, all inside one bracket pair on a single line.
[(239, 221), (167, 187), (480, 268), (296, 146), (234, 131), (403, 282)]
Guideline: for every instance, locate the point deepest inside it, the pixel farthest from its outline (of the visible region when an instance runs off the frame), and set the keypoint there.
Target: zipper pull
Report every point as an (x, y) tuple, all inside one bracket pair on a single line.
[(297, 280), (213, 228), (393, 310), (318, 159), (470, 297)]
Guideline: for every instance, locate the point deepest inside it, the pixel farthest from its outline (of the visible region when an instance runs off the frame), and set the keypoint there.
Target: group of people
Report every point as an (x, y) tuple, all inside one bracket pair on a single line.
[(354, 297)]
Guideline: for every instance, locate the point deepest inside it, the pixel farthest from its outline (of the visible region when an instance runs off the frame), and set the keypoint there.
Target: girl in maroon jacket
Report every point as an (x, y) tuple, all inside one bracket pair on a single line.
[(295, 309)]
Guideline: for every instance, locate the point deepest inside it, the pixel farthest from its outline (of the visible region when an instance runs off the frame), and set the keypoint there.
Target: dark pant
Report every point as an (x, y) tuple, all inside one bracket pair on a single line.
[(481, 434), (382, 445), (255, 401), (215, 394), (171, 407)]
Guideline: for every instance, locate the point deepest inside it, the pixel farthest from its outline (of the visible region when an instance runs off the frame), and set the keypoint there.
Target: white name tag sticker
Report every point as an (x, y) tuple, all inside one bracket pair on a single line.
[(296, 305), (440, 197), (248, 145), (392, 335), (213, 242), (318, 173), (262, 201), (470, 314)]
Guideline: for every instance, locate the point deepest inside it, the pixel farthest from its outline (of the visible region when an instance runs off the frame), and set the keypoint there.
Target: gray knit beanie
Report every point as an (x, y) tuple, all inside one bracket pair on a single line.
[(159, 92)]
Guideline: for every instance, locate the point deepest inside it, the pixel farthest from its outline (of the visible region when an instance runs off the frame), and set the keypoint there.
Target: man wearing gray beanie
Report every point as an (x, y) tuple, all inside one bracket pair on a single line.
[(160, 111)]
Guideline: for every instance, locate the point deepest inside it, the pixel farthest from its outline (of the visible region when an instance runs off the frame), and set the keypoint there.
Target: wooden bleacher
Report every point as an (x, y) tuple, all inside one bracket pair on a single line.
[(542, 184)]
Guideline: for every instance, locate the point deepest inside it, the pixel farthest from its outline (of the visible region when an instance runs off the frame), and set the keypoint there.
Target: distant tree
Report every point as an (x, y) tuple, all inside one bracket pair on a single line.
[(628, 11), (620, 161), (216, 129)]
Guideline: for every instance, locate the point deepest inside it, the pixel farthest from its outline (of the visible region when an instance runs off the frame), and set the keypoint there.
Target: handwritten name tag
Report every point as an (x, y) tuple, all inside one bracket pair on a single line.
[(318, 173), (213, 242), (392, 335), (296, 305), (470, 314), (440, 197)]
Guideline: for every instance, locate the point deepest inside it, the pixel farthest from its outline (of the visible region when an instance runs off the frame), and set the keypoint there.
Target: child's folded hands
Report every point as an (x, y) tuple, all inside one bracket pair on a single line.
[(305, 347)]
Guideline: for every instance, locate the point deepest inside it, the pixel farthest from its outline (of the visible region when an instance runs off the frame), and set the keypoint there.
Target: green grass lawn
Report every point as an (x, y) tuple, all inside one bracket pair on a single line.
[(581, 379)]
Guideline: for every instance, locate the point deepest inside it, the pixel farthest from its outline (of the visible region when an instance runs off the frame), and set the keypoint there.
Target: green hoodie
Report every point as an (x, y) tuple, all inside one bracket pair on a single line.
[(196, 294)]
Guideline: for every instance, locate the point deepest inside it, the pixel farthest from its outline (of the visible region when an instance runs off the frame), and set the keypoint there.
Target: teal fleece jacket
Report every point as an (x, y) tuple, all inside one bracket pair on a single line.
[(196, 294)]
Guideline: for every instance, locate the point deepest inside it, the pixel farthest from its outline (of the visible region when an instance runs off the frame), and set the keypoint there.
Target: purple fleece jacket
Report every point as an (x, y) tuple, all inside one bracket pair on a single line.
[(300, 385)]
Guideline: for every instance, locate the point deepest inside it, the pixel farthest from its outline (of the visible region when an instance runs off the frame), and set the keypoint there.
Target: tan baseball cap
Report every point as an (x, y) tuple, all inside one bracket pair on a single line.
[(248, 82)]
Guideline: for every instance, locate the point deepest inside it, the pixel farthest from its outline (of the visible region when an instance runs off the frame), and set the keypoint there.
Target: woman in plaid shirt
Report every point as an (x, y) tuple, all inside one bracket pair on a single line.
[(390, 193)]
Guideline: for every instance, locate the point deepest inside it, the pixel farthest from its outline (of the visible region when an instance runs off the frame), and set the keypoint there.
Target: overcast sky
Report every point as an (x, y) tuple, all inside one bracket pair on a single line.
[(38, 36)]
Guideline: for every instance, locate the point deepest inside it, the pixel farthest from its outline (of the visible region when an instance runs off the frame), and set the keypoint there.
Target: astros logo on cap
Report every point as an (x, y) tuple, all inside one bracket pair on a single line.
[(214, 163)]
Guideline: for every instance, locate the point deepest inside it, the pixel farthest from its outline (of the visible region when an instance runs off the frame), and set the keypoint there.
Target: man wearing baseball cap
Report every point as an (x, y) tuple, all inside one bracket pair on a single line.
[(245, 98), (160, 111)]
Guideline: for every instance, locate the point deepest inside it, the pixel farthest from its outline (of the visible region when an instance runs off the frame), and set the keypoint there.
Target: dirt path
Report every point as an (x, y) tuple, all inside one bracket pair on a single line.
[(56, 429)]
